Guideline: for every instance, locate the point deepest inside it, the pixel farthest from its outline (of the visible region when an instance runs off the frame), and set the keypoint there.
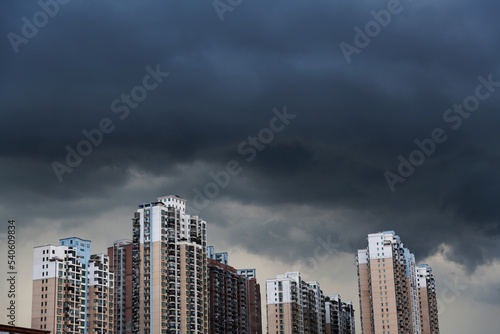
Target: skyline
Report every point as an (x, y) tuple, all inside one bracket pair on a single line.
[(455, 289), (253, 113), (222, 258)]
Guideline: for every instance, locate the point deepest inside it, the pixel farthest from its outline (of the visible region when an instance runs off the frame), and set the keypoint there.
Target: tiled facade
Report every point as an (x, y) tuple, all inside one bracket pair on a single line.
[(339, 316), (234, 298), (121, 256), (294, 306), (66, 280), (170, 267), (100, 296), (388, 291), (427, 300), (254, 305)]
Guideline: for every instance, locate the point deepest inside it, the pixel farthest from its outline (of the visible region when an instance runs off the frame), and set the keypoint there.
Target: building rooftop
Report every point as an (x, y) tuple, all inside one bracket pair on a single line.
[(21, 330)]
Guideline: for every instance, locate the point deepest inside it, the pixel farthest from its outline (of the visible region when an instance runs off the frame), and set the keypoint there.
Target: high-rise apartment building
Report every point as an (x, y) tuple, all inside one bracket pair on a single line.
[(428, 301), (339, 316), (349, 320), (313, 308), (388, 291), (82, 248), (220, 257), (253, 300), (170, 267), (57, 290), (120, 258), (234, 299), (294, 306), (100, 283), (227, 299), (66, 281), (411, 281)]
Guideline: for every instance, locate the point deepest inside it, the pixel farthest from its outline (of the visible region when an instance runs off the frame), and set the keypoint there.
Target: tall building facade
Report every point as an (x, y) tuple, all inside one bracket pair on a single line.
[(227, 299), (294, 306), (428, 302), (313, 308), (170, 267), (388, 290), (234, 299), (339, 316), (66, 280), (120, 257), (100, 318), (253, 300), (82, 248), (349, 319)]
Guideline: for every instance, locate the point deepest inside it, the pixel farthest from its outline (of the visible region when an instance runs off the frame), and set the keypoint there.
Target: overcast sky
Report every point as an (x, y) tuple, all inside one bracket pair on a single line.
[(310, 105)]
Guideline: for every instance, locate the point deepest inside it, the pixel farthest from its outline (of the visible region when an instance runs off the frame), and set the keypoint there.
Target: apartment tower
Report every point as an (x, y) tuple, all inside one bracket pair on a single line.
[(314, 308), (170, 267), (339, 316), (427, 298), (100, 295), (234, 299), (388, 291), (66, 280), (349, 320), (120, 258), (294, 306), (253, 301)]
